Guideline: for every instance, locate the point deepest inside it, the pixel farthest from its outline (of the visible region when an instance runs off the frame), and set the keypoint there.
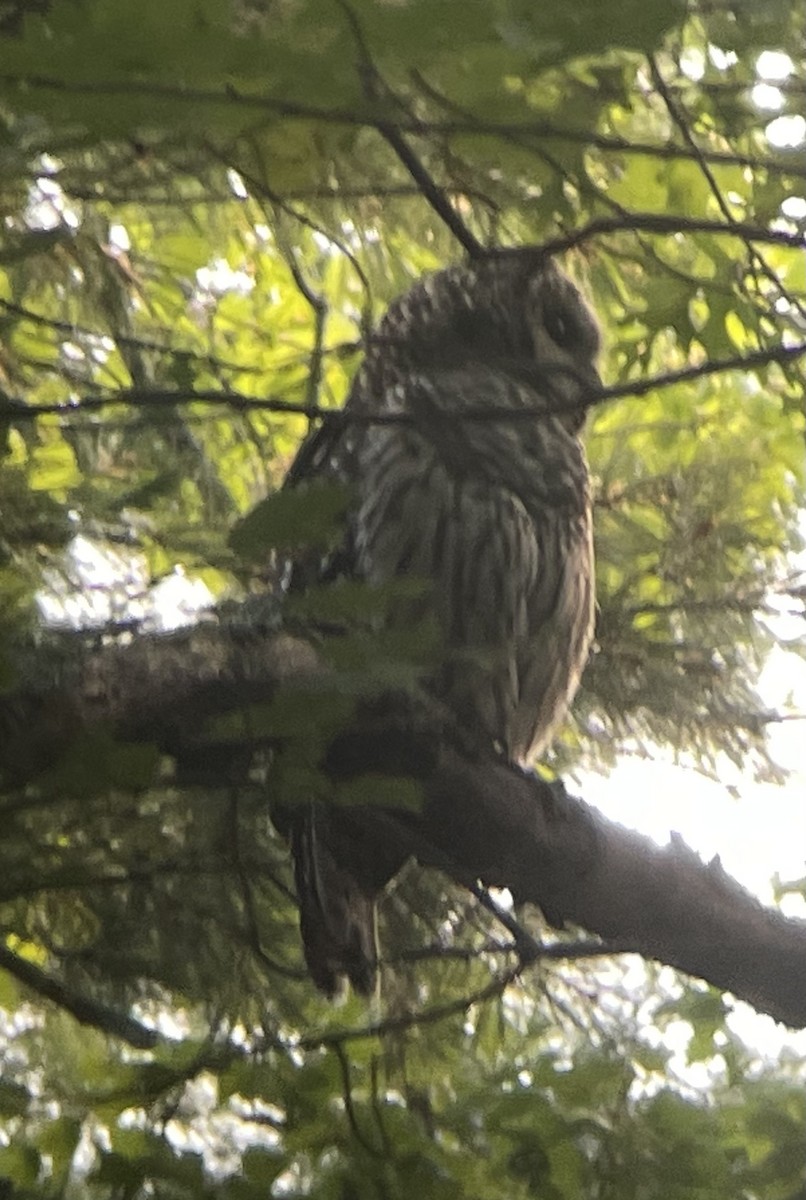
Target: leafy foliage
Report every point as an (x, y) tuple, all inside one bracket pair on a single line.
[(205, 205)]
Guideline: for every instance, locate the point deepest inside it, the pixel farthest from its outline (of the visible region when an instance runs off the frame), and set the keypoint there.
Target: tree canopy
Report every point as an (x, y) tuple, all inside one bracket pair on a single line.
[(205, 207)]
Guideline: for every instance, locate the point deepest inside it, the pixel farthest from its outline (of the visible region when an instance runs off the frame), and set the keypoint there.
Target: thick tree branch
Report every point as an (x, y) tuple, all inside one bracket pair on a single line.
[(481, 818)]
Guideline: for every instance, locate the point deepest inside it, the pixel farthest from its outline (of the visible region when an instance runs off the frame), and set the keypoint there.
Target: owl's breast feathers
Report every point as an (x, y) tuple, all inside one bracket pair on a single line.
[(494, 511)]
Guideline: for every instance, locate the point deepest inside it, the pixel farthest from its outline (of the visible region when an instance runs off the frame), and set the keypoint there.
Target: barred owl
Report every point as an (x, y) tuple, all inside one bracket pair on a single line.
[(491, 509)]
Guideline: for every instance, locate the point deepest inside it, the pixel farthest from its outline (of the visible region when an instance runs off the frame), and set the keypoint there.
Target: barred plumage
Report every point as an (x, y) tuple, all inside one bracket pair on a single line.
[(492, 509)]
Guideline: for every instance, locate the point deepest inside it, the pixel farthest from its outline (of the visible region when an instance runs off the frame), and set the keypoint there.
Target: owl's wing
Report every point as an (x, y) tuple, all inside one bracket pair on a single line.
[(336, 871), (317, 453), (328, 455)]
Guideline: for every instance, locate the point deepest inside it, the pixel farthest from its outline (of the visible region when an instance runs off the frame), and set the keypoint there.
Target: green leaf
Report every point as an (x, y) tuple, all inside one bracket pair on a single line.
[(292, 714), (14, 1099), (261, 1167), (591, 27), (309, 517), (354, 601), (59, 1140), (383, 790), (53, 468), (19, 1165), (96, 762)]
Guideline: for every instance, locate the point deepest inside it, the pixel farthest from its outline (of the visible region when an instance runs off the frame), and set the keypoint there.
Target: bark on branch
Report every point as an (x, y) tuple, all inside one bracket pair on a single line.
[(481, 818)]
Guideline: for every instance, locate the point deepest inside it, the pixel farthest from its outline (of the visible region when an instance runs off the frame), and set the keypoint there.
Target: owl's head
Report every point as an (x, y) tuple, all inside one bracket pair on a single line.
[(515, 309), (565, 339)]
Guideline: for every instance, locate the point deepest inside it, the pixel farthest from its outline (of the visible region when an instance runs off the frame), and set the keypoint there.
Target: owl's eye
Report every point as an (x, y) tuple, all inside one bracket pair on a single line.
[(560, 329)]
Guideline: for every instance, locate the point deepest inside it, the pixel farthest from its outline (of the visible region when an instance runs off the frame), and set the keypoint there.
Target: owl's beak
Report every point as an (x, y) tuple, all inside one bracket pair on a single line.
[(590, 388)]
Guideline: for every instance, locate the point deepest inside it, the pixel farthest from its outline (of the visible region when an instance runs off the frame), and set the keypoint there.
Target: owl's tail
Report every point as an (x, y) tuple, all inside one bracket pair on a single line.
[(337, 916)]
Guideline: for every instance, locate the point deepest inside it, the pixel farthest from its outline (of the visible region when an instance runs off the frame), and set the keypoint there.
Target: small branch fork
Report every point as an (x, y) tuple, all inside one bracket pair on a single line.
[(379, 94)]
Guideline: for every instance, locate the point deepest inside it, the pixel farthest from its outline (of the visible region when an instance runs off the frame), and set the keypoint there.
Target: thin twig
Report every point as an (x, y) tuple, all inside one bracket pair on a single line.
[(680, 119), (294, 110), (379, 93), (318, 305), (662, 223), (243, 876), (19, 410), (409, 1020), (85, 1010), (528, 948), (73, 330), (349, 1107), (260, 188)]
